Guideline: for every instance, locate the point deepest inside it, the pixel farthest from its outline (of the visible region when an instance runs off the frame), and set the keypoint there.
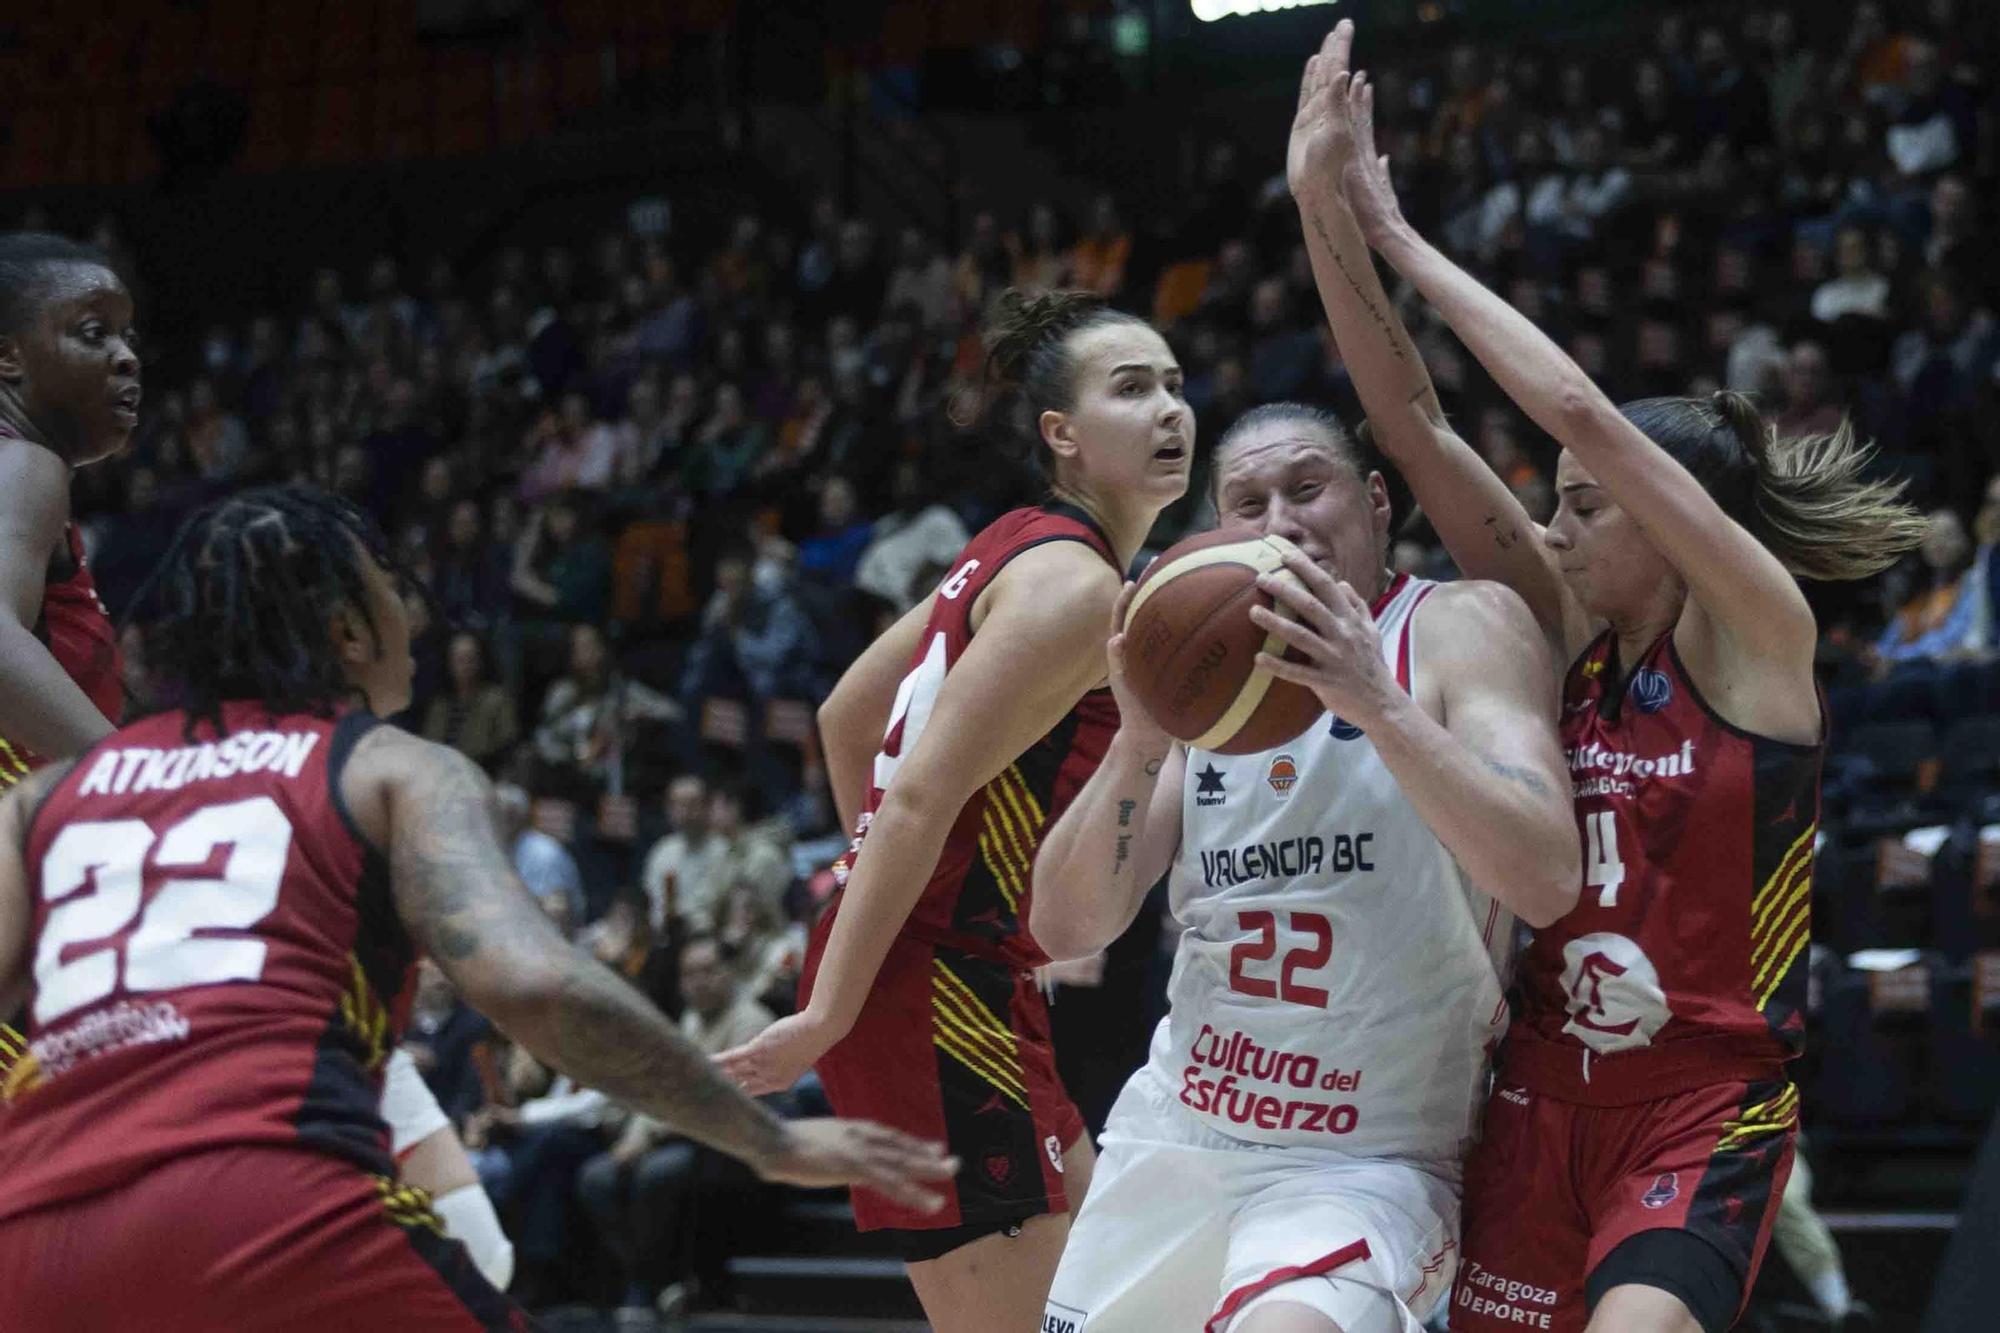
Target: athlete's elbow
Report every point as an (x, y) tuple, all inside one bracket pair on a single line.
[(1061, 930), (1547, 891)]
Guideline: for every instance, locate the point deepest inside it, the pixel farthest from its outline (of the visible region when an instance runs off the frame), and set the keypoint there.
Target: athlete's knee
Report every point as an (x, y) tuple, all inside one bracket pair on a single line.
[(1284, 1316), (1323, 1304), (1664, 1281), (1636, 1308)]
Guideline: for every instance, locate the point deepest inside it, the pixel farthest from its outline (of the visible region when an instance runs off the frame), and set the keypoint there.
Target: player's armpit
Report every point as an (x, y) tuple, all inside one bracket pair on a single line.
[(856, 714), (17, 889)]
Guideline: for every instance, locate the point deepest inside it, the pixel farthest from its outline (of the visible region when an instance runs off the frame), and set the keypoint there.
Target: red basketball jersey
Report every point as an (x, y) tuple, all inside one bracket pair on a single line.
[(1684, 960), (79, 635), (217, 961), (978, 894)]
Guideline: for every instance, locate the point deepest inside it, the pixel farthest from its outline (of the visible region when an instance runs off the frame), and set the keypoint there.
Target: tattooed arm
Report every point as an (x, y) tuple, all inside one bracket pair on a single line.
[(1478, 518), (433, 812)]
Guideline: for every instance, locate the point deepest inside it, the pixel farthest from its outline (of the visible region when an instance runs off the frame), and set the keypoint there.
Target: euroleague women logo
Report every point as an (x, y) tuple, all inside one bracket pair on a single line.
[(1284, 775), (1650, 690)]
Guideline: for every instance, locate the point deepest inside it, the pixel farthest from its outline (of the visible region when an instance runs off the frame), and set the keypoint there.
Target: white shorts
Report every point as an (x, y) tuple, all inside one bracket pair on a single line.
[(1186, 1228), (407, 1104)]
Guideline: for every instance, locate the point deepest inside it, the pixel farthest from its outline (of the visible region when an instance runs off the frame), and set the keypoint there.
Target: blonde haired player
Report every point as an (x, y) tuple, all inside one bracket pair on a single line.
[(1288, 1158)]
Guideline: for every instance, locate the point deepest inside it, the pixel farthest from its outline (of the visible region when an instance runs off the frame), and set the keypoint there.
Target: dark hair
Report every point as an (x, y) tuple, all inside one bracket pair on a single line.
[(1806, 498), (1029, 367), (25, 258), (240, 604)]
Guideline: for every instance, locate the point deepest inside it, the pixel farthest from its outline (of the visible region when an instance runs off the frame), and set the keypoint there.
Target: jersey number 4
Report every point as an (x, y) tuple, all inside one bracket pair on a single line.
[(1602, 868), (1307, 957), (94, 877)]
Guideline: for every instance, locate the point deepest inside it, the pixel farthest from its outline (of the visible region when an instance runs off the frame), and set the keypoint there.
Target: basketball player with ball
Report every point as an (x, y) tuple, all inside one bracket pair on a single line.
[(1352, 781)]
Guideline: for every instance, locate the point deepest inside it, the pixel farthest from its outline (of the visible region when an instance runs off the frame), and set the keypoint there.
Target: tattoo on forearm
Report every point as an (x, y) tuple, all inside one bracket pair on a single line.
[(1124, 852), (1125, 809), (1153, 767), (1375, 312), (1526, 777), (457, 891), (1504, 534), (606, 1036)]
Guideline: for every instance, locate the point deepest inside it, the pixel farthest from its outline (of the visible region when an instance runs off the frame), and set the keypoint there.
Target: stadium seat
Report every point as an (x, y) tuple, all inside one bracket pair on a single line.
[(1893, 765), (1969, 762), (1965, 1043), (1875, 1032)]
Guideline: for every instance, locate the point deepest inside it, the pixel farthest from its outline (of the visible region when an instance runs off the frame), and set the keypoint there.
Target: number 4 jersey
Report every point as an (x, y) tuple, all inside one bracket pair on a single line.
[(1684, 961), (216, 958), (1338, 983)]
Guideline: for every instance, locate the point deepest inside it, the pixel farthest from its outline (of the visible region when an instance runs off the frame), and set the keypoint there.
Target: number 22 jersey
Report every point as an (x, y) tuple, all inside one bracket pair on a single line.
[(216, 958), (1683, 963)]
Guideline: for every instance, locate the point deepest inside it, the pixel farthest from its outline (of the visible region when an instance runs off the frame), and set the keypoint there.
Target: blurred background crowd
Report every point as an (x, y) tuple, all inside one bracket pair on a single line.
[(667, 468)]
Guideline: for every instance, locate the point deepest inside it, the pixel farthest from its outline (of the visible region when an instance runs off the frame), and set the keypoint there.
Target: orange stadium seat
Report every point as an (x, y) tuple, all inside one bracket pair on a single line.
[(169, 48), (338, 123), (286, 44), (229, 42), (401, 116), (462, 104)]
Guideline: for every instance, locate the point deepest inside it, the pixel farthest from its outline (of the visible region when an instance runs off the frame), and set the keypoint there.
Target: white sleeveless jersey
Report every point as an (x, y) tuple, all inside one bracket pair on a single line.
[(1338, 982)]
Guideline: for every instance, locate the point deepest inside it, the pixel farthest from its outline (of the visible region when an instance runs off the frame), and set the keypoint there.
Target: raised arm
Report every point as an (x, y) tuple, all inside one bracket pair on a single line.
[(1483, 526), (1733, 580), (1038, 649), (1119, 834), (855, 716), (456, 891), (40, 706), (1477, 755)]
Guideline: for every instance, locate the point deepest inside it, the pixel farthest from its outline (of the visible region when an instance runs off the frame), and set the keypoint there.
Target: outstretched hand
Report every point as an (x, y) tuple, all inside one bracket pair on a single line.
[(1332, 149), (779, 1056)]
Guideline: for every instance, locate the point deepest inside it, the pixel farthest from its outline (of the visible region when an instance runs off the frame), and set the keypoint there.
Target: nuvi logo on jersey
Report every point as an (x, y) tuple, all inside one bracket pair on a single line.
[(1284, 775), (1650, 690)]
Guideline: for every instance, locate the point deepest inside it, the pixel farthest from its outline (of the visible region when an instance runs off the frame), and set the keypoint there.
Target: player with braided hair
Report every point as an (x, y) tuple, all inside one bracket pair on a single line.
[(952, 742), (220, 905)]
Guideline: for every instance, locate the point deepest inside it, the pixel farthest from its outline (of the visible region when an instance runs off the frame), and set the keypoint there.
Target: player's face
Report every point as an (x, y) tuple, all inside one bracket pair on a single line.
[(1609, 566), (380, 666), (1129, 429), (1285, 479), (74, 365)]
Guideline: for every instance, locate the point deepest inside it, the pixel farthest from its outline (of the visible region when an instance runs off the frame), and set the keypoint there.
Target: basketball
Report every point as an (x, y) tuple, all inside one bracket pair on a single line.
[(1191, 647)]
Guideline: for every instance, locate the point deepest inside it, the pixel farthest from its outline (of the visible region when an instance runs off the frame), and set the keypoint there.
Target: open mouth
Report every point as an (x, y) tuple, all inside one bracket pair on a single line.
[(126, 402), (1172, 453)]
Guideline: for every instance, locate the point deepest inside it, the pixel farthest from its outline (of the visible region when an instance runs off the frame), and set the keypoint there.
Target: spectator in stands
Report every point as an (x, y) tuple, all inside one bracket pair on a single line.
[(1932, 126), (469, 574), (1283, 355), (562, 569), (833, 552), (452, 1045), (645, 1192), (1807, 382), (916, 535), (754, 852), (726, 446), (920, 280), (527, 1145), (1039, 261), (216, 437), (568, 450), (682, 875), (1097, 262), (473, 713), (1575, 204), (1934, 626), (592, 715), (753, 639), (1856, 288), (767, 950), (542, 862)]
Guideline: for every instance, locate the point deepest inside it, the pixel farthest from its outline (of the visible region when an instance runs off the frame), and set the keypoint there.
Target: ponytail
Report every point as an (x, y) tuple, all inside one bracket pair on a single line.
[(1029, 369), (1806, 498)]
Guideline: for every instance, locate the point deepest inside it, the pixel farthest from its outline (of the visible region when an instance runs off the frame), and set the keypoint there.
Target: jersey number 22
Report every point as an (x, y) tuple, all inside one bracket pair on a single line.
[(95, 872)]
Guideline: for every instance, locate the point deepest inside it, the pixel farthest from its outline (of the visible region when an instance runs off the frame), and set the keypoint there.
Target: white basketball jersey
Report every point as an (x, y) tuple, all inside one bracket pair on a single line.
[(1338, 982)]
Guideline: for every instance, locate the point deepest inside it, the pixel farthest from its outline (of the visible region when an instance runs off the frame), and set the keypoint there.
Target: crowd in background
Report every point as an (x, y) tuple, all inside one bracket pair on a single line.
[(665, 481)]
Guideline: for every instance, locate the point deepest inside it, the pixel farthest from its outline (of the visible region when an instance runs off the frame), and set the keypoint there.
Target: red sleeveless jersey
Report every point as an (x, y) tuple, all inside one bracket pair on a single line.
[(978, 894), (79, 635), (217, 961), (1684, 961)]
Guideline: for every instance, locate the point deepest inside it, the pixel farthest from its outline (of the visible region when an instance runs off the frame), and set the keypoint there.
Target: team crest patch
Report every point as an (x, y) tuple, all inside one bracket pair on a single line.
[(1650, 690), (999, 1166), (1054, 1150), (1284, 775), (1666, 1188)]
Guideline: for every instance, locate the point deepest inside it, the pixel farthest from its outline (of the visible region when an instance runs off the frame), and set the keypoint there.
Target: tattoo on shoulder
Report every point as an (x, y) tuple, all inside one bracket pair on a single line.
[(1526, 777), (1153, 767)]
